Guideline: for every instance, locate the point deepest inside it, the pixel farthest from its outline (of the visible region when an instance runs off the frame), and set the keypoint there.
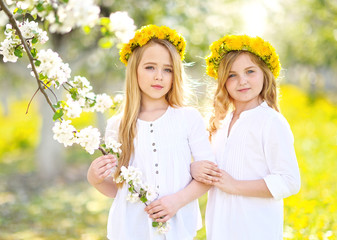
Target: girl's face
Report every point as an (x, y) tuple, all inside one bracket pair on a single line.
[(245, 81), (155, 73)]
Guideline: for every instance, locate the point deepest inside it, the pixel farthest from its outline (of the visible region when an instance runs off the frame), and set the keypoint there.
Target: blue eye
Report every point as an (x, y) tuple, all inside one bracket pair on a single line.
[(168, 70), (231, 75), (250, 71), (149, 67)]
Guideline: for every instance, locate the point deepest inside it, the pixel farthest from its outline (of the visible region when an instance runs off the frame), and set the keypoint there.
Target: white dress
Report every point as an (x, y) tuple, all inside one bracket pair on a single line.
[(260, 146), (163, 152)]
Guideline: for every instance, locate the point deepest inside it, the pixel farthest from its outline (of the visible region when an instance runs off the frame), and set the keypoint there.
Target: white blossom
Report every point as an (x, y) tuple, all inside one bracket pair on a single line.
[(82, 84), (9, 2), (64, 133), (133, 197), (53, 67), (9, 31), (89, 138), (122, 25), (151, 193), (119, 179), (25, 4), (89, 100), (75, 13), (31, 29), (118, 98), (73, 108), (7, 49), (42, 37), (132, 174), (103, 102), (111, 143), (12, 41), (163, 227)]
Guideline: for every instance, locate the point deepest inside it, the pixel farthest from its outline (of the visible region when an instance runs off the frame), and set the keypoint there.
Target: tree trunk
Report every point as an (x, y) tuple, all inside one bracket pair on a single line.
[(50, 153)]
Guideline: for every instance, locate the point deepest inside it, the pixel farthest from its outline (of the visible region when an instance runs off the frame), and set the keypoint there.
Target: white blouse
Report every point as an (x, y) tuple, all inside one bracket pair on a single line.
[(260, 146), (163, 152)]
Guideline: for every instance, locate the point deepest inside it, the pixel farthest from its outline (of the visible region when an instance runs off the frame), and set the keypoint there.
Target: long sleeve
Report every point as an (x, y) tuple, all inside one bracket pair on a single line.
[(284, 178), (198, 136)]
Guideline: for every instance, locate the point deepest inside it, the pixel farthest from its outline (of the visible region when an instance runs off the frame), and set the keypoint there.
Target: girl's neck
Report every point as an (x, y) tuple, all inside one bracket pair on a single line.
[(152, 111), (240, 107), (153, 105)]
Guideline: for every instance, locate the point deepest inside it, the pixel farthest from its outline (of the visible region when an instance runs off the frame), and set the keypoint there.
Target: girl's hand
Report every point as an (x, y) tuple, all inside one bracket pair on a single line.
[(163, 209), (101, 168), (225, 183), (205, 171)]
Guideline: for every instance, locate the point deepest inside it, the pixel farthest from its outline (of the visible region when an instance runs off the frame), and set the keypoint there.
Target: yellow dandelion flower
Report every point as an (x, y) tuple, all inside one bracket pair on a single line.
[(255, 45), (146, 33)]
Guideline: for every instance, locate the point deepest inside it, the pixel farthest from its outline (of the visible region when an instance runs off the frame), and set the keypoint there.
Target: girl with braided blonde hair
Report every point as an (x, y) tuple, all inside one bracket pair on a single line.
[(252, 141)]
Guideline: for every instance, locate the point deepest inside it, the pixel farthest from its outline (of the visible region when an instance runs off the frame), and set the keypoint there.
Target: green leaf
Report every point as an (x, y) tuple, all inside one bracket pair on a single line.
[(92, 104), (73, 93), (59, 104), (18, 11), (41, 75), (33, 51), (40, 7), (143, 198), (18, 52), (37, 63), (34, 40), (58, 114), (155, 224)]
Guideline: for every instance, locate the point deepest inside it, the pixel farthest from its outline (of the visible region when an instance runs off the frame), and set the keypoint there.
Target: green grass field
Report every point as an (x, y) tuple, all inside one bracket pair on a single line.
[(71, 209)]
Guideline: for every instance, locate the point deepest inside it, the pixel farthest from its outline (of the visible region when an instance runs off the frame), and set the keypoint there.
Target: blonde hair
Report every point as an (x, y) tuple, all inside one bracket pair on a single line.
[(223, 102), (174, 97)]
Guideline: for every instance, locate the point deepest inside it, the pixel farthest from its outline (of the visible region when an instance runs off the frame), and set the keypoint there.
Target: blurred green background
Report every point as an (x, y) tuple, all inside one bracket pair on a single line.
[(43, 189)]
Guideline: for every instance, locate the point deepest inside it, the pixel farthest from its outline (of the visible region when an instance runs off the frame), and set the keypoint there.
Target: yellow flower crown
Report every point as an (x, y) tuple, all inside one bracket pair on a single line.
[(145, 34), (255, 45)]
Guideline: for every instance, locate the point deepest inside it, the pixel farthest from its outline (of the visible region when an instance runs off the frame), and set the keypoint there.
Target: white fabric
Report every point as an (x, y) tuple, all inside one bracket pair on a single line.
[(177, 135), (260, 146)]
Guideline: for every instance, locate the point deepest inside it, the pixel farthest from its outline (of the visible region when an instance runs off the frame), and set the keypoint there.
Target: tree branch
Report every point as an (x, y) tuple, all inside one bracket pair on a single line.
[(27, 48)]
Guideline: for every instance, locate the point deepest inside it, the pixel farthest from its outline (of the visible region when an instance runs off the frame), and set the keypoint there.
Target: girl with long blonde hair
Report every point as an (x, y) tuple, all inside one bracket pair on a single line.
[(159, 136), (253, 144)]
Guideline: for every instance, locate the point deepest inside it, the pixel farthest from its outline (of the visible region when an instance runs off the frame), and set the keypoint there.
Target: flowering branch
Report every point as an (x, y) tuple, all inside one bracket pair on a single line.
[(49, 70), (140, 192), (28, 51)]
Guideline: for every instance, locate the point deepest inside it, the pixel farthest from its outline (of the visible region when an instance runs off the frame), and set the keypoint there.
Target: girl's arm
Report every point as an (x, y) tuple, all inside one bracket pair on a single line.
[(98, 175), (205, 171), (248, 188), (166, 207), (283, 179)]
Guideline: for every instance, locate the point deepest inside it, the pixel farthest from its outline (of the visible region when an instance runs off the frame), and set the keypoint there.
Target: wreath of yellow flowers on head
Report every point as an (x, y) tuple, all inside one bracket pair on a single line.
[(145, 34), (255, 45)]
